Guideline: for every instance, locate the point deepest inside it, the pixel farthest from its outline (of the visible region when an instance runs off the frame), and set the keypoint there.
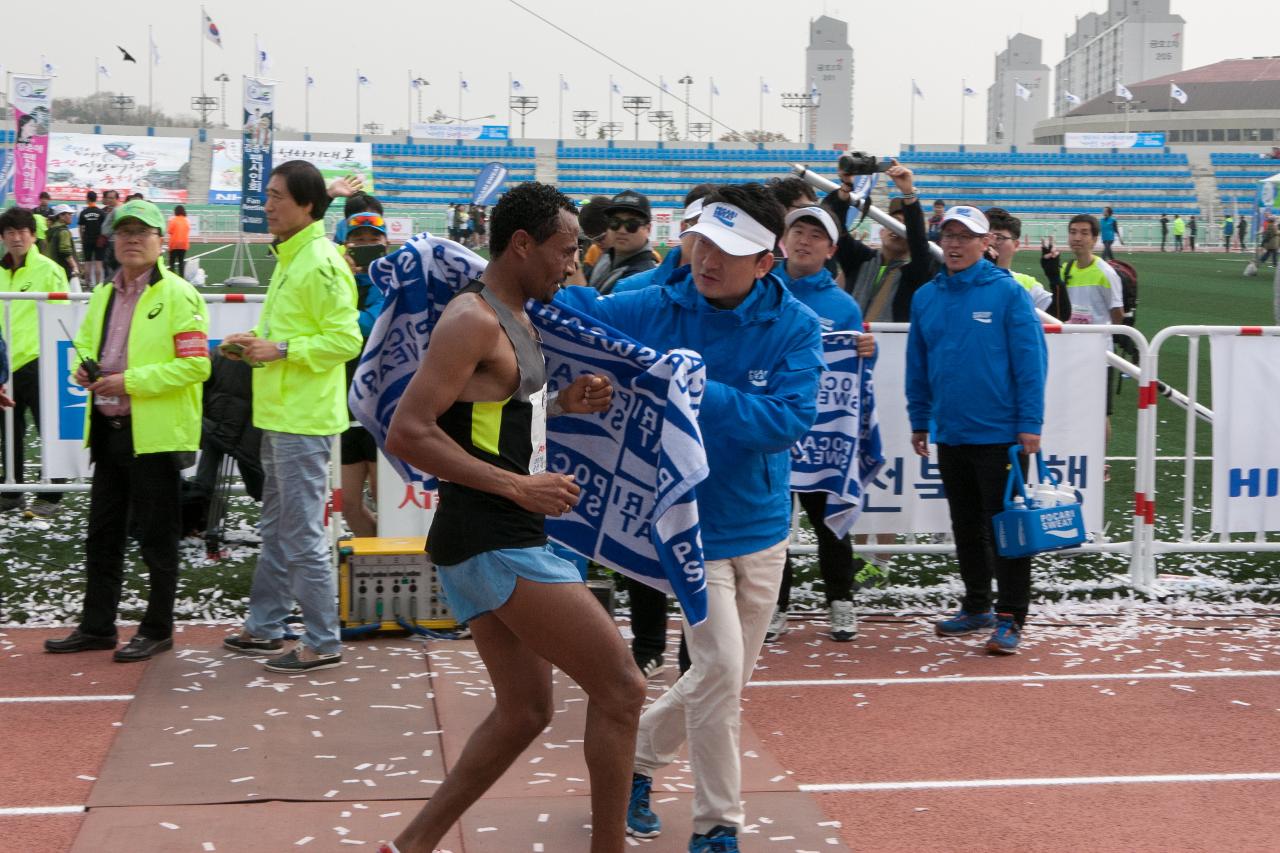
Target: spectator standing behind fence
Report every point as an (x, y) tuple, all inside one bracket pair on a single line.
[(1006, 231), (1179, 231), (90, 222), (110, 201), (1164, 230), (1242, 233), (1192, 228), (1228, 228), (23, 269), (1110, 232), (60, 246), (149, 330), (935, 220), (976, 363), (307, 332), (179, 239), (1269, 242)]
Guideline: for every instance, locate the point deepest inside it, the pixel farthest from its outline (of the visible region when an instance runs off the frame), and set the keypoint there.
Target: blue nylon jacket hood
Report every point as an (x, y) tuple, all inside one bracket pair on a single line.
[(671, 269), (763, 360), (837, 311), (976, 358)]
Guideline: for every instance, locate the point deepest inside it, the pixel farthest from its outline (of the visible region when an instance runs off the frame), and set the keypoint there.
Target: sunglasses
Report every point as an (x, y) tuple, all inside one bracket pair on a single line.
[(631, 225), (366, 220)]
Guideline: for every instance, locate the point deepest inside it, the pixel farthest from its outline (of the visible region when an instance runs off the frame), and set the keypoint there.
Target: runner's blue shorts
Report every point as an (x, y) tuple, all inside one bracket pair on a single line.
[(485, 582)]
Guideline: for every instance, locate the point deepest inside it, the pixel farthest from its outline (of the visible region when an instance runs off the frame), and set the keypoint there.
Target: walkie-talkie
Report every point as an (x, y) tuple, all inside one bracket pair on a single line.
[(90, 366)]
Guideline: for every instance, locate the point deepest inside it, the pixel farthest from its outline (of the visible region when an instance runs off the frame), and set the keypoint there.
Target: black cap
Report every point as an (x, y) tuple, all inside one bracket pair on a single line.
[(629, 201)]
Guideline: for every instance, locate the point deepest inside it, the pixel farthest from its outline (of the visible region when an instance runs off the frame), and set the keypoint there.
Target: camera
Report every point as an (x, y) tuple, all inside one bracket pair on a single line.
[(861, 163)]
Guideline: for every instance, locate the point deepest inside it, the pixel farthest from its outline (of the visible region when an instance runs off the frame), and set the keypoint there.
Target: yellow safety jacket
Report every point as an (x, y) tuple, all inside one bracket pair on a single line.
[(38, 274)]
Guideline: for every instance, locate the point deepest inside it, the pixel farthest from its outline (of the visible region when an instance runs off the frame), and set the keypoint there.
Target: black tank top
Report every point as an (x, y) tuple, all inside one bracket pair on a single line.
[(509, 434)]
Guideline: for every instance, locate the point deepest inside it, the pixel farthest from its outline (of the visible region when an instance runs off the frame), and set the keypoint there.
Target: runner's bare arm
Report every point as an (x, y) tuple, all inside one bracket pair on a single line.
[(464, 338)]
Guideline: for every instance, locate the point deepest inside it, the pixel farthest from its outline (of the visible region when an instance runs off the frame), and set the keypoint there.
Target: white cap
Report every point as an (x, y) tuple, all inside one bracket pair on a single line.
[(972, 218), (815, 212), (733, 230), (692, 211), (60, 209)]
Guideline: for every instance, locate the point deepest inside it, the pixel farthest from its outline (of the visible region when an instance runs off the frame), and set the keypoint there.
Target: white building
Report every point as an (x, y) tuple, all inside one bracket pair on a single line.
[(1019, 97), (1133, 40), (829, 69)]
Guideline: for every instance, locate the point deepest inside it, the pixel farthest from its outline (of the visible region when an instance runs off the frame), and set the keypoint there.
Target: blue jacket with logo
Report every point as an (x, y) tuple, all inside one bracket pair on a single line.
[(976, 358), (763, 360), (837, 311), (671, 268)]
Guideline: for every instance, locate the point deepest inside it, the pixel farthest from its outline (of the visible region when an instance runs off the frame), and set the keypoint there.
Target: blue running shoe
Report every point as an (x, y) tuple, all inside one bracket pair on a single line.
[(721, 839), (641, 821), (1005, 639), (964, 623)]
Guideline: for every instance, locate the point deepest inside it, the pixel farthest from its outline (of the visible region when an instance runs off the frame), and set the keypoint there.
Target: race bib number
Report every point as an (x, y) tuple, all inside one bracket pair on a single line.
[(538, 431)]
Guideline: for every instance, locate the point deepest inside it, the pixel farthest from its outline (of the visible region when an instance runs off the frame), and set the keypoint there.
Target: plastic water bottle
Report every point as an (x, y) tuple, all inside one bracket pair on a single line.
[(1043, 495)]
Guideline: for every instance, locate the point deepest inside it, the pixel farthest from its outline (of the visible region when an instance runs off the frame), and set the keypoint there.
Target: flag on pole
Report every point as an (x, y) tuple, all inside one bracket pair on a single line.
[(764, 88), (50, 70), (715, 90), (416, 82), (662, 84), (564, 85), (970, 92), (155, 50), (103, 71), (1073, 100), (1177, 94), (1021, 91), (462, 84), (516, 86), (615, 88), (264, 61), (915, 89), (362, 80), (311, 82), (813, 89), (211, 31), (1122, 91)]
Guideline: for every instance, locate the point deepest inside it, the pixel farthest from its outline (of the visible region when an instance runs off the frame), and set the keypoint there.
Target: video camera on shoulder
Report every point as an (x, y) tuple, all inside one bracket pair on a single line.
[(861, 163)]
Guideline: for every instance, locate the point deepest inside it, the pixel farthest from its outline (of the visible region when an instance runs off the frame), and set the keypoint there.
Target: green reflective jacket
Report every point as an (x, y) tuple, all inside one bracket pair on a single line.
[(167, 360), (38, 274), (311, 304)]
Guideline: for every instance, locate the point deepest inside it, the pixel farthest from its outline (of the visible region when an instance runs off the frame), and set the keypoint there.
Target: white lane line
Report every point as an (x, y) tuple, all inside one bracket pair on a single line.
[(987, 679), (11, 700), (34, 810), (851, 787)]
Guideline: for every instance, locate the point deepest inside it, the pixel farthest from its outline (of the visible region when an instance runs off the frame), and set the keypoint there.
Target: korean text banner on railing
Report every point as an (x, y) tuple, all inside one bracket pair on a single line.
[(907, 495), (156, 166), (1246, 457)]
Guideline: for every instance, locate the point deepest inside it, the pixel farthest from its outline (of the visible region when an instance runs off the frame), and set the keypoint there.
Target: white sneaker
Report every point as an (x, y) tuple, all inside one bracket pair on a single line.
[(777, 626), (844, 621)]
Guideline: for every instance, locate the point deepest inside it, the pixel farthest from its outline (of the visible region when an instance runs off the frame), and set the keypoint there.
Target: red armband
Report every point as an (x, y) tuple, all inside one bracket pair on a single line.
[(191, 345)]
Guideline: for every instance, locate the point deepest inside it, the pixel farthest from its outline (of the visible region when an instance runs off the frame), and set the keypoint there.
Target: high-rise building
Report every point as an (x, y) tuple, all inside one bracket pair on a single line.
[(1019, 97), (829, 73), (1133, 40)]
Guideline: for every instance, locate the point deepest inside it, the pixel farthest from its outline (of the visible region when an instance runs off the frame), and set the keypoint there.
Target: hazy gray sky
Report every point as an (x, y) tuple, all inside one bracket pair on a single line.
[(737, 43)]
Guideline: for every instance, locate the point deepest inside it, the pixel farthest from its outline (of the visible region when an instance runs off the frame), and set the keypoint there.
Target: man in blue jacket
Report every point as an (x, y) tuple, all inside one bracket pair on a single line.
[(976, 362), (810, 241), (763, 354)]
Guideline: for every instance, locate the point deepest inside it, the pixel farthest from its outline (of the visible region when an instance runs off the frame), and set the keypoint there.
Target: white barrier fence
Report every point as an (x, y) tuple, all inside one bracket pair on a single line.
[(906, 500)]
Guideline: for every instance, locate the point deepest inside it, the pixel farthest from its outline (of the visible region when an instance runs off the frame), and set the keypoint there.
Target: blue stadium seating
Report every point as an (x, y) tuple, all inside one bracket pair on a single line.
[(443, 172)]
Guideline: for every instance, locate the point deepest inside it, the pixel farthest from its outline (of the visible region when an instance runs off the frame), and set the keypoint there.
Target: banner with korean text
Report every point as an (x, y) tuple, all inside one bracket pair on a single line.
[(333, 159), (1246, 460), (907, 495), (157, 166), (32, 113), (259, 131)]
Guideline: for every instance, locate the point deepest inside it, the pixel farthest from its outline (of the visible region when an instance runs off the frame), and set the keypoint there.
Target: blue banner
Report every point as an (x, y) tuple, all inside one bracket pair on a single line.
[(5, 176), (637, 463), (488, 182), (259, 130)]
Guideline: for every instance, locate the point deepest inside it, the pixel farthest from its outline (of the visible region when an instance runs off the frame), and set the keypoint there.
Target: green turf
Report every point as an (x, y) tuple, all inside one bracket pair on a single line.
[(43, 561)]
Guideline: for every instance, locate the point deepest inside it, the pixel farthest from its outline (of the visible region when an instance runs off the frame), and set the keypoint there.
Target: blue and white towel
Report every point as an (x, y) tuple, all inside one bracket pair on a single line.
[(637, 463), (842, 453)]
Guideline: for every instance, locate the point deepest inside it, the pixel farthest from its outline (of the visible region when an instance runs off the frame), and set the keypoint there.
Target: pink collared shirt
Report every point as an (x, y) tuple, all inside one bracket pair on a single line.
[(115, 343)]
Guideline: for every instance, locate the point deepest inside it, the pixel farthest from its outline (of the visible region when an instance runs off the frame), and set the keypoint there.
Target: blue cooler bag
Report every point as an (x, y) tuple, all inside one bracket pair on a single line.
[(1025, 528)]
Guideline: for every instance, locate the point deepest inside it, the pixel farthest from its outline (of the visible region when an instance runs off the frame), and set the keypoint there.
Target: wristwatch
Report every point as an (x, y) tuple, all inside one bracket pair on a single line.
[(282, 347)]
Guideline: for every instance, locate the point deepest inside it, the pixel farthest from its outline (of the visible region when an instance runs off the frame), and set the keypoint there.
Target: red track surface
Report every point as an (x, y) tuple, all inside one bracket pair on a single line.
[(1026, 726)]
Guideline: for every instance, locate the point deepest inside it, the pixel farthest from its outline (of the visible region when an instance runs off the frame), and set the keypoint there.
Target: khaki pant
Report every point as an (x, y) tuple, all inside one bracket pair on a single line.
[(703, 706)]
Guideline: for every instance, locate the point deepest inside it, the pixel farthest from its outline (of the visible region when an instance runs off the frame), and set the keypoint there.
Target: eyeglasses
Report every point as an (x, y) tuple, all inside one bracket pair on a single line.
[(366, 220), (631, 225), (958, 237), (999, 239), (134, 232)]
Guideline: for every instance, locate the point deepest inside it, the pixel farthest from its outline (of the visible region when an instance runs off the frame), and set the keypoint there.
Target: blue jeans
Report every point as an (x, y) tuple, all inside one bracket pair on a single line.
[(295, 562)]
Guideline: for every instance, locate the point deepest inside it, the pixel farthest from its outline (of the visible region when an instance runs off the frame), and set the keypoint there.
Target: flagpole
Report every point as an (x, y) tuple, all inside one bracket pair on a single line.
[(97, 75), (760, 95), (357, 103), (964, 88), (306, 100), (711, 106), (202, 37), (610, 99), (408, 124), (560, 112), (913, 113), (508, 101), (151, 67), (1014, 141), (460, 101)]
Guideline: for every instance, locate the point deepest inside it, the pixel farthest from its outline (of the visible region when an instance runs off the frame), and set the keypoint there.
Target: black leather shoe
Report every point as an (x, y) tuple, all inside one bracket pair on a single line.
[(79, 642), (141, 648)]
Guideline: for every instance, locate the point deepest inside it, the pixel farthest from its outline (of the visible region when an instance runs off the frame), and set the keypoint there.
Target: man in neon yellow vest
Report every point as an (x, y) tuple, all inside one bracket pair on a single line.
[(148, 332), (308, 330)]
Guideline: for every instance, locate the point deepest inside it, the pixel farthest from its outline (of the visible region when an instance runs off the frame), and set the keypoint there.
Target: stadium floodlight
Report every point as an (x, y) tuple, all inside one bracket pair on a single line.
[(523, 104), (583, 119), (637, 104), (373, 128), (804, 104), (204, 104), (611, 128), (686, 81), (700, 128)]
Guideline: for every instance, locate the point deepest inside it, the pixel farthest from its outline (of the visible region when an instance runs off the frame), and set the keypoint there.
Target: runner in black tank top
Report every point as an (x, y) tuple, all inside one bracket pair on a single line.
[(509, 434)]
